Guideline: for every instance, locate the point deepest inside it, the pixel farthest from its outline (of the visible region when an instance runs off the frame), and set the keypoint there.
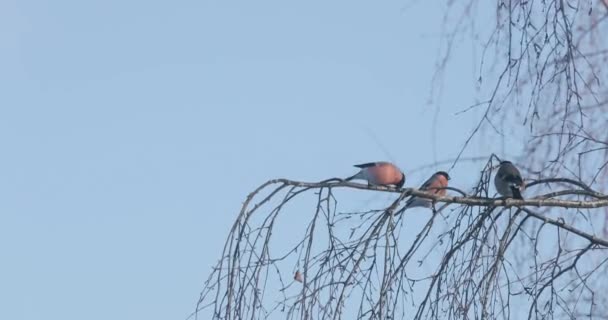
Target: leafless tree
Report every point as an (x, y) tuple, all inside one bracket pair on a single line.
[(473, 255)]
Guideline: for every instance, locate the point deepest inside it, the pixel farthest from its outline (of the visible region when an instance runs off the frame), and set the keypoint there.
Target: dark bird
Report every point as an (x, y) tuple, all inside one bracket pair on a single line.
[(508, 181)]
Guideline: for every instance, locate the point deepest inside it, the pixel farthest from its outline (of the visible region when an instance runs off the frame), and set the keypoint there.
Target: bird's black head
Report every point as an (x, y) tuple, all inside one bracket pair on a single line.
[(443, 173), (505, 162), (400, 184)]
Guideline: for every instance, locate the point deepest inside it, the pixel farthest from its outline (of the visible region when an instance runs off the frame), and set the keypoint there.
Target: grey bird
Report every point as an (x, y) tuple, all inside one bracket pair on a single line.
[(508, 181)]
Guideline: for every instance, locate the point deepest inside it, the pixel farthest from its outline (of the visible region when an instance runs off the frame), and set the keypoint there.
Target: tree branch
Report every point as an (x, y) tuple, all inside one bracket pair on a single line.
[(565, 226), (470, 201)]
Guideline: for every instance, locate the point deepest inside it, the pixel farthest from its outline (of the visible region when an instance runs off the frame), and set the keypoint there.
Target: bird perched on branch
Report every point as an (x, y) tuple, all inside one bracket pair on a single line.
[(298, 277), (436, 184), (508, 181), (379, 174)]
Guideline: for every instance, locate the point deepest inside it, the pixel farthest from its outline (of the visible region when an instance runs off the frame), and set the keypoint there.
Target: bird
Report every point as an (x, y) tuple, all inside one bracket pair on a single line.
[(298, 277), (436, 184), (508, 181), (379, 173)]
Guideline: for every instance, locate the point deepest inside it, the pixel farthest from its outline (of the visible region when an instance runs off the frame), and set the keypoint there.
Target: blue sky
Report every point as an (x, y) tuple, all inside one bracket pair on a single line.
[(131, 132)]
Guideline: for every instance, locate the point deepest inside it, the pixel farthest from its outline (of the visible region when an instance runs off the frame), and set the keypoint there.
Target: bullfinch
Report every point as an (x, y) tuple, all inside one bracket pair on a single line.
[(298, 277), (508, 181), (436, 184), (380, 174)]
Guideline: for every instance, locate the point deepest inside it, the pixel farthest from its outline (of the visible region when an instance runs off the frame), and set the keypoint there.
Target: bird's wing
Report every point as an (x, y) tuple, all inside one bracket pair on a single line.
[(366, 165), (427, 183), (512, 178)]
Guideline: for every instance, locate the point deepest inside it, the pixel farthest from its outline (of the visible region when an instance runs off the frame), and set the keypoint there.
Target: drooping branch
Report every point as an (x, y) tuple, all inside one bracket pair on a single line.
[(562, 224)]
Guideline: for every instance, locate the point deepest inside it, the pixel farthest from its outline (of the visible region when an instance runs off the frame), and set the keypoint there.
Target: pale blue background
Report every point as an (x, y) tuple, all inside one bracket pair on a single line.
[(131, 132)]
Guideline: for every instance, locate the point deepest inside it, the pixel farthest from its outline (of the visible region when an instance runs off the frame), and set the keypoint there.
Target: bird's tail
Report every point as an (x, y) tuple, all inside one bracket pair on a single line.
[(414, 202), (351, 178), (516, 193), (408, 203), (356, 176)]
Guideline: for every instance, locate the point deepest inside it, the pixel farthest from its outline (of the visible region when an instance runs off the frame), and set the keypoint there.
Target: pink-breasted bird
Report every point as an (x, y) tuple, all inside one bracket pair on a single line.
[(436, 184), (508, 181), (298, 277), (379, 173)]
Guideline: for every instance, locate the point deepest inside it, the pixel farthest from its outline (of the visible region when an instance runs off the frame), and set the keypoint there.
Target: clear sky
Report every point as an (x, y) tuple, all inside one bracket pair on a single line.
[(131, 132)]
